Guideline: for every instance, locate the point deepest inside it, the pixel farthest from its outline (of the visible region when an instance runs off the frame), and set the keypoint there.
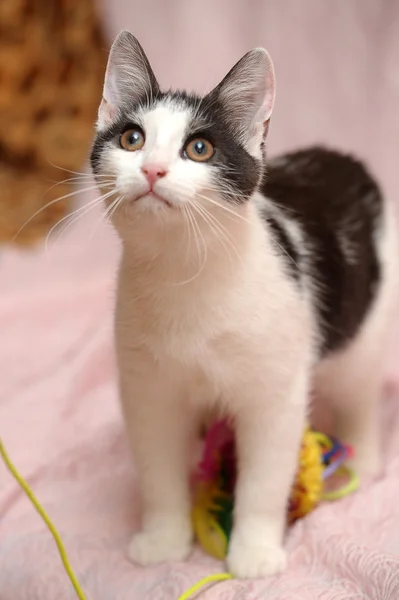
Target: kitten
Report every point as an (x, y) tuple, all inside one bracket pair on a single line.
[(239, 289)]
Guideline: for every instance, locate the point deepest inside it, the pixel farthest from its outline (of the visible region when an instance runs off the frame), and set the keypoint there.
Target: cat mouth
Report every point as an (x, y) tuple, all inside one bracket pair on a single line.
[(151, 194)]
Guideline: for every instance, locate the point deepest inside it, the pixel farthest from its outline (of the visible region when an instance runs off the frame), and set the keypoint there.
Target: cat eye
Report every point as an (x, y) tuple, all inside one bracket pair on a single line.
[(199, 150), (132, 140)]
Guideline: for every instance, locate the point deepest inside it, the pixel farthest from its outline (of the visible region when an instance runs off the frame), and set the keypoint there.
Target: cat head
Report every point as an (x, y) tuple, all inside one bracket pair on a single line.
[(168, 152)]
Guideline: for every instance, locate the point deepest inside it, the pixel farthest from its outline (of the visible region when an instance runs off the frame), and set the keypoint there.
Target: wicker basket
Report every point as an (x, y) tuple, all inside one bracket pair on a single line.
[(52, 60)]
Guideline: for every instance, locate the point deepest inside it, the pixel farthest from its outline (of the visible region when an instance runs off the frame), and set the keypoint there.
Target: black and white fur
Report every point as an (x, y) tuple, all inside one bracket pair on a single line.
[(242, 285)]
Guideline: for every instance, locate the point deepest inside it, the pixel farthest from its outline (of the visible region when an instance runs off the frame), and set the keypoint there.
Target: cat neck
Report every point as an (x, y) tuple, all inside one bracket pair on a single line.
[(192, 256)]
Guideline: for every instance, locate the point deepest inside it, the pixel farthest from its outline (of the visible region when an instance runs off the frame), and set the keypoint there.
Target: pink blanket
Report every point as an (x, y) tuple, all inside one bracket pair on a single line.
[(59, 418)]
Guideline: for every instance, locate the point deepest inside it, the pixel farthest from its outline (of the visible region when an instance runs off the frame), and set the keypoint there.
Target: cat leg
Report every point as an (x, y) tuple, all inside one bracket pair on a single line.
[(351, 382), (269, 428), (159, 428), (352, 379)]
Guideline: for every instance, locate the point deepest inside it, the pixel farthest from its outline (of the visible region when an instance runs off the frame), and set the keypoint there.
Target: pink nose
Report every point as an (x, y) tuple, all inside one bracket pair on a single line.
[(153, 172)]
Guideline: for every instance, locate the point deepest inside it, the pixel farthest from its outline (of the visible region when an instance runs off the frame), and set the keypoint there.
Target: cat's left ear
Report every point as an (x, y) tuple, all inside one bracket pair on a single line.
[(128, 78), (247, 97)]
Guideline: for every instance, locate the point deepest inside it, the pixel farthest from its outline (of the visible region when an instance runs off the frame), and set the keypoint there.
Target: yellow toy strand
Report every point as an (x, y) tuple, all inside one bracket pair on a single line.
[(61, 548), (205, 581), (322, 439), (346, 489)]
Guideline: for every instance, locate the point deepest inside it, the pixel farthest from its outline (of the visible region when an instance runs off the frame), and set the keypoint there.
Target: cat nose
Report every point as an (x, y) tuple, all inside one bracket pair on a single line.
[(153, 172)]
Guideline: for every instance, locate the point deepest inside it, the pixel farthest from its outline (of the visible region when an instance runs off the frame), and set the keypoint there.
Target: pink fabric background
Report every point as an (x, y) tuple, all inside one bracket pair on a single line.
[(338, 82)]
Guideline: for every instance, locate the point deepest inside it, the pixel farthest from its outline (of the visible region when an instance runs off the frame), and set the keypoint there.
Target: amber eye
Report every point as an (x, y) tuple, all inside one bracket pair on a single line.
[(199, 150), (132, 140)]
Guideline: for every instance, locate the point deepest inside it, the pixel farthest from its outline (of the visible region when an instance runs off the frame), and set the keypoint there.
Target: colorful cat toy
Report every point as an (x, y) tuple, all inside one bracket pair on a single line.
[(320, 458)]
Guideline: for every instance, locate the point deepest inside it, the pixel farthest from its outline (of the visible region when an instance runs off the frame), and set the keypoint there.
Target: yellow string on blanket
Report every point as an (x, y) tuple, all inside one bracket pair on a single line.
[(61, 548)]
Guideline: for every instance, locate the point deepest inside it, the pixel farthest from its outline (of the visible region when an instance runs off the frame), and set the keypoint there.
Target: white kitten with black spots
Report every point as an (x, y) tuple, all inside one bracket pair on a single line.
[(240, 288)]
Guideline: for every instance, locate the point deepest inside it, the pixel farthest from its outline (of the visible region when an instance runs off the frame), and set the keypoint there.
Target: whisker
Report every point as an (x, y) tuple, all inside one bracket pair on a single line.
[(215, 203), (118, 204), (104, 217), (196, 229), (74, 216), (283, 250), (195, 232), (68, 170), (212, 188), (218, 228), (223, 207), (188, 229), (71, 216), (203, 242), (79, 181), (82, 177), (51, 203), (74, 221)]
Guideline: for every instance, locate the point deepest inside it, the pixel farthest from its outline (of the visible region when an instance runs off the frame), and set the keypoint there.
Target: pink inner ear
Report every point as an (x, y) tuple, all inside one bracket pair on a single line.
[(106, 113)]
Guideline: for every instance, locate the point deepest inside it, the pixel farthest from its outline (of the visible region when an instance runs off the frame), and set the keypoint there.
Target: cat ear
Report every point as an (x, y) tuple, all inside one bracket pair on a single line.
[(247, 96), (128, 78)]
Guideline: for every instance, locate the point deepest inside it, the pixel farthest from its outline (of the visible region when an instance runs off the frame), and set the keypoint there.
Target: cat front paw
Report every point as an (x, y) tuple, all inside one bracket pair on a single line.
[(251, 561), (153, 547)]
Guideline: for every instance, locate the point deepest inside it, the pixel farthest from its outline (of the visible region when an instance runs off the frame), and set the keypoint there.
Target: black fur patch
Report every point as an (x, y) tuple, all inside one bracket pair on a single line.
[(236, 167), (285, 245), (338, 207)]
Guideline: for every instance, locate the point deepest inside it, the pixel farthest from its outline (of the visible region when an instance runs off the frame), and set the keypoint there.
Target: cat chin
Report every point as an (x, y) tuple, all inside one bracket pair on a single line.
[(152, 201), (152, 207)]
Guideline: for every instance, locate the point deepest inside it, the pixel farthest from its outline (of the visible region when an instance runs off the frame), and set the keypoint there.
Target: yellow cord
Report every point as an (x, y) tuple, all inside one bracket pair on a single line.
[(61, 548), (345, 490), (210, 579)]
